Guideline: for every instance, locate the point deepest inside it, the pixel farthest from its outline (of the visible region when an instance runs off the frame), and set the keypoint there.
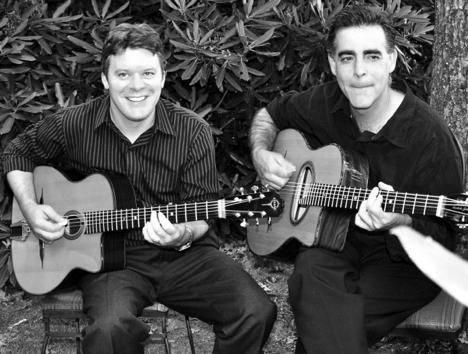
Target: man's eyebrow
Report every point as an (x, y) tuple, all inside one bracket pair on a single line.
[(372, 51), (346, 52), (366, 52)]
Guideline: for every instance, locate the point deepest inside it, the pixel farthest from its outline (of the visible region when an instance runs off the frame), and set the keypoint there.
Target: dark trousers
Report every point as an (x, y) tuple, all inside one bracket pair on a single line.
[(345, 301), (202, 282)]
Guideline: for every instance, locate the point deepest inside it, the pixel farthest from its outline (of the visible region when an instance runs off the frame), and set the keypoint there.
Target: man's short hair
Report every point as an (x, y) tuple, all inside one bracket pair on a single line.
[(134, 36), (360, 15)]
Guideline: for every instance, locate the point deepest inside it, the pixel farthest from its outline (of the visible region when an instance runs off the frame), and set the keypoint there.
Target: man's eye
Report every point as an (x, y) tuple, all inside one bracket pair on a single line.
[(149, 74), (374, 57), (122, 75), (346, 59)]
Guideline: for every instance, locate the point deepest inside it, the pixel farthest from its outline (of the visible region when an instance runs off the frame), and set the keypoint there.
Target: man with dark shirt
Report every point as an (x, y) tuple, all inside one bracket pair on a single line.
[(167, 153), (345, 301)]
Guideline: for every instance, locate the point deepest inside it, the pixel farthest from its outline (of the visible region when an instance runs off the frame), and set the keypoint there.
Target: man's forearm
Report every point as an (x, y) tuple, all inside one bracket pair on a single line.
[(22, 185), (262, 132)]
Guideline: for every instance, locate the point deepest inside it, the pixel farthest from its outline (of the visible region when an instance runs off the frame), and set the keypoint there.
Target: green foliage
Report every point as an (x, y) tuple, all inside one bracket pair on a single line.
[(226, 59)]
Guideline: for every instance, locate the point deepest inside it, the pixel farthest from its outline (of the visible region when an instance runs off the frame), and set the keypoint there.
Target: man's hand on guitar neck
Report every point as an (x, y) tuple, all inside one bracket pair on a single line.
[(371, 217), (272, 168), (161, 232)]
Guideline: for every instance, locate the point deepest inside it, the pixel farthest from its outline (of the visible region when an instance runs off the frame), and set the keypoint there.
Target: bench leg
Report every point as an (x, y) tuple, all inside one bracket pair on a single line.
[(189, 334)]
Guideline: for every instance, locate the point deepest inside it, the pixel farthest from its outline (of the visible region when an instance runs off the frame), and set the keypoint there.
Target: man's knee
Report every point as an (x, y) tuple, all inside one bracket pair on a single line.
[(259, 313)]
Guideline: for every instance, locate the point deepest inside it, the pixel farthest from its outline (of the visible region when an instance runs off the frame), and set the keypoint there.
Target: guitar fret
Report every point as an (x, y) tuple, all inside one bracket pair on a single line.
[(206, 210), (404, 203), (176, 215), (414, 202), (195, 211), (425, 205), (185, 204)]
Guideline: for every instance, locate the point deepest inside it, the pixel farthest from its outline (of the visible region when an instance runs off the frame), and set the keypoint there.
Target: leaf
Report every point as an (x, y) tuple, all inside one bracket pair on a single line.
[(3, 22), (20, 28), (7, 125), (119, 10), (88, 47), (96, 8), (27, 99), (61, 9), (3, 43), (180, 45), (187, 74), (206, 36), (262, 39), (233, 82), (105, 8), (264, 9), (15, 70)]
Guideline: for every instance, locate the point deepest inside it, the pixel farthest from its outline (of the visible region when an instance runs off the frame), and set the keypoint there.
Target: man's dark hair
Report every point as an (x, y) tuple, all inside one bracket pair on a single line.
[(360, 15), (134, 36)]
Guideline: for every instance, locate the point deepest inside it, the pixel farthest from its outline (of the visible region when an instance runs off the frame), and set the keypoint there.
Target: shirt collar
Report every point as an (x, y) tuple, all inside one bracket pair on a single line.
[(161, 123), (395, 130)]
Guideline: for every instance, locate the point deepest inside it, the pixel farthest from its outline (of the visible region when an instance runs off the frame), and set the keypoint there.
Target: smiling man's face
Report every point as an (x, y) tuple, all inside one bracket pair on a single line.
[(362, 64), (135, 80)]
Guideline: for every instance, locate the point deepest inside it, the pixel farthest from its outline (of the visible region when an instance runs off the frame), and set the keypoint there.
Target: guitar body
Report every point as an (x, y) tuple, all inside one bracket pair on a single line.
[(41, 267), (309, 226)]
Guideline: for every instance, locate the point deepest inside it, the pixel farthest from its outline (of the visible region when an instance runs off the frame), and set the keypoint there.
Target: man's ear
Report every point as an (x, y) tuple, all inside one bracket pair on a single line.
[(332, 63), (104, 81), (393, 59)]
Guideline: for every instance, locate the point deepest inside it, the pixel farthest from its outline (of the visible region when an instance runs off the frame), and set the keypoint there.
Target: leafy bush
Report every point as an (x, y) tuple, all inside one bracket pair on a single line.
[(227, 58)]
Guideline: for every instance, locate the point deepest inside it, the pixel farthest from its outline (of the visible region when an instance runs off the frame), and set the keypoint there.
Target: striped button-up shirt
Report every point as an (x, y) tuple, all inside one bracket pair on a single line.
[(172, 162)]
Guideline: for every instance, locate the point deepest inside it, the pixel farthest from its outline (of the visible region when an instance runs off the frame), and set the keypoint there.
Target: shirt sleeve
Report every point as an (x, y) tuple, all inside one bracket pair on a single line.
[(199, 180), (440, 171), (40, 143)]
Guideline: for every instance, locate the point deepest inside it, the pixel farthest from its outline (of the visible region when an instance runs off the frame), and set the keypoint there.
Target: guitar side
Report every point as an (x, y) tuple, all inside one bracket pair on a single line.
[(308, 226), (38, 274)]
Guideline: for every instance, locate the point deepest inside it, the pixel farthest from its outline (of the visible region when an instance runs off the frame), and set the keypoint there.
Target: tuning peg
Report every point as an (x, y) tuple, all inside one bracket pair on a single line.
[(244, 223), (257, 223), (254, 188), (241, 190)]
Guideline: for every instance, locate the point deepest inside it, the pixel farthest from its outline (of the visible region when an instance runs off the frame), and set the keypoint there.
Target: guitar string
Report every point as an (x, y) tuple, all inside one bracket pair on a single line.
[(334, 193), (145, 212)]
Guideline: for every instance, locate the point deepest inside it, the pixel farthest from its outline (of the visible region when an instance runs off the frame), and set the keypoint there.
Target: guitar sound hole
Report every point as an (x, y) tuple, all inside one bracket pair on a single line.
[(76, 225), (305, 178)]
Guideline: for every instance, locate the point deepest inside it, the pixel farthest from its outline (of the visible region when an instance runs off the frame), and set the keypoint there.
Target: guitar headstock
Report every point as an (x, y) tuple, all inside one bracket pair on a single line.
[(456, 208), (260, 204)]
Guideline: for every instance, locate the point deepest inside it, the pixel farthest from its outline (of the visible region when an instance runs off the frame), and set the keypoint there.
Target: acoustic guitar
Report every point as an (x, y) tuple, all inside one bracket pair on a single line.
[(318, 199), (99, 209)]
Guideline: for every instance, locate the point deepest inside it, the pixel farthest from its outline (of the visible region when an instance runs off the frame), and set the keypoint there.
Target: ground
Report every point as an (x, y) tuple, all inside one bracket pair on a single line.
[(21, 327)]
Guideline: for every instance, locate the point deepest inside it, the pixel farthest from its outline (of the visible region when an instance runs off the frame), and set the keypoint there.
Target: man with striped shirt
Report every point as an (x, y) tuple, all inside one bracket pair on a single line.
[(167, 153)]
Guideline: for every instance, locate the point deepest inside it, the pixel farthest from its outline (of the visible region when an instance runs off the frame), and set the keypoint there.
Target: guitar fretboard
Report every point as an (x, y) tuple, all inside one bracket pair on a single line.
[(126, 219), (334, 196)]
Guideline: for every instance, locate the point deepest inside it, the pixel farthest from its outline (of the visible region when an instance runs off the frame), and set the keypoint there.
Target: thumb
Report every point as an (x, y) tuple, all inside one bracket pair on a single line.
[(54, 216)]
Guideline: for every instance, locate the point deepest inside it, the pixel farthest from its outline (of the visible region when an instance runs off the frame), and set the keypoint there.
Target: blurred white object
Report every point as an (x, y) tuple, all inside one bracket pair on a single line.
[(445, 268)]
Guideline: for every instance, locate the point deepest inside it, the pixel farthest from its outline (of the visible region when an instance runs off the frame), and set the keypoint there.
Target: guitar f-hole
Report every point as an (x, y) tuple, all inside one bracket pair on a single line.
[(76, 225), (304, 180)]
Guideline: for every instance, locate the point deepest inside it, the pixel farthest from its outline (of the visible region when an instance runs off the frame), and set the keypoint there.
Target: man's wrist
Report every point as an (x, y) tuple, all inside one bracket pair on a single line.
[(188, 235)]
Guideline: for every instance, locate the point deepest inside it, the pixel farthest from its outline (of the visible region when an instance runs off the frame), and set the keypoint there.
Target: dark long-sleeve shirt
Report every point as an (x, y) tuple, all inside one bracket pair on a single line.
[(414, 152), (173, 161)]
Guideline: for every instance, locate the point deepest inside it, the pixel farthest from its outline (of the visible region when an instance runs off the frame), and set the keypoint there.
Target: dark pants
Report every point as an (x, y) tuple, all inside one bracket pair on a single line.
[(202, 282), (345, 301)]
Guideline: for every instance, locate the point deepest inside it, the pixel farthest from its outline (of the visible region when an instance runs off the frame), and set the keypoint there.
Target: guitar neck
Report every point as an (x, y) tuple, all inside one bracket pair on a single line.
[(126, 219), (334, 196)]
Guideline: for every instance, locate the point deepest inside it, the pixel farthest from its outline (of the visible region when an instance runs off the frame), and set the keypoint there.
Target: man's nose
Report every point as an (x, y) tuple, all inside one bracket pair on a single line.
[(359, 67), (137, 82)]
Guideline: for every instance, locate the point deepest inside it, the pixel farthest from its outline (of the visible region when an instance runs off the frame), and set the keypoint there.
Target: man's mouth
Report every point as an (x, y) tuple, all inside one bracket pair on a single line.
[(136, 99)]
